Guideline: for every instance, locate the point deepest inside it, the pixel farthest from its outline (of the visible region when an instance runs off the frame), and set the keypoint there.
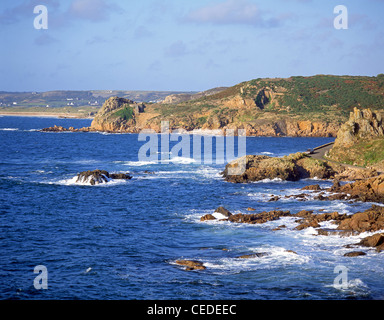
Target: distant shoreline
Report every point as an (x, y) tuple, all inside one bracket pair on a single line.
[(45, 115)]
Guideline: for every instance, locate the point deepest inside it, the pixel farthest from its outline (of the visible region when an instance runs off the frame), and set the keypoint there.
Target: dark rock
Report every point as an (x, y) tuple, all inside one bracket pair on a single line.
[(120, 176), (354, 254), (93, 177), (274, 198), (99, 176), (223, 211)]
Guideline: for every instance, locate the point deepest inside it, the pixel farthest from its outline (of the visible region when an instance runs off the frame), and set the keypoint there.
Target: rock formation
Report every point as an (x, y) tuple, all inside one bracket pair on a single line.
[(99, 176), (291, 168), (363, 124), (117, 115), (355, 137)]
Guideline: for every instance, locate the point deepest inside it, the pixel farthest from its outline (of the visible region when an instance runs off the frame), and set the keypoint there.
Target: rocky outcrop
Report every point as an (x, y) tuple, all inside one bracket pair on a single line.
[(108, 119), (370, 220), (362, 124), (354, 140), (290, 168), (99, 176), (371, 189)]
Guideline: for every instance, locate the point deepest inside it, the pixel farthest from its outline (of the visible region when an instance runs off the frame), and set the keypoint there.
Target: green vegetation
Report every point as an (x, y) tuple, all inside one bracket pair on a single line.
[(126, 113), (363, 153), (319, 93)]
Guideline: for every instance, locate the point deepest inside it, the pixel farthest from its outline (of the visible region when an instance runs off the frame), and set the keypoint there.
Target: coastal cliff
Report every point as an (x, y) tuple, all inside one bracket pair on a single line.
[(297, 106)]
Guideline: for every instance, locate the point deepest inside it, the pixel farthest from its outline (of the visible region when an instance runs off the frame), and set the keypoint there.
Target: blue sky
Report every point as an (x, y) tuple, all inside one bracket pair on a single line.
[(183, 45)]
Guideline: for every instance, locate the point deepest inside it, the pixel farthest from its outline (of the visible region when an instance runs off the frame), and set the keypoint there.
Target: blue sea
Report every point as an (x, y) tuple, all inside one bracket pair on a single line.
[(120, 240)]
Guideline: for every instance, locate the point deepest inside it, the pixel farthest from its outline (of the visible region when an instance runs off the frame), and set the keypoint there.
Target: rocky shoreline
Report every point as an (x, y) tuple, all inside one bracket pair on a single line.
[(362, 185)]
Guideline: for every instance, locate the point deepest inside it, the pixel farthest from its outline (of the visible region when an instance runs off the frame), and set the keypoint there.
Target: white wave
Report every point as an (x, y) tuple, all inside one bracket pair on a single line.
[(266, 152), (275, 257), (9, 129), (137, 163), (353, 286), (73, 182), (267, 180)]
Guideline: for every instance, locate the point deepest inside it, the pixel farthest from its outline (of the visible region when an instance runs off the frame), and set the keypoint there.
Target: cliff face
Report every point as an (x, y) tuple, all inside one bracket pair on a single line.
[(360, 140), (363, 124)]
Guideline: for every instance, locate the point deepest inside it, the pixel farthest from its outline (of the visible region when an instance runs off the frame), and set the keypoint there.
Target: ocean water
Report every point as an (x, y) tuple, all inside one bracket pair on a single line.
[(120, 240)]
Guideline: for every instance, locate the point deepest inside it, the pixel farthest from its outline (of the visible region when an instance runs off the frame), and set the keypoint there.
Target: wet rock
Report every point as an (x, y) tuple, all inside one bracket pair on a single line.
[(207, 217), (99, 176), (223, 211), (120, 176), (93, 177), (274, 198), (191, 264), (354, 254)]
